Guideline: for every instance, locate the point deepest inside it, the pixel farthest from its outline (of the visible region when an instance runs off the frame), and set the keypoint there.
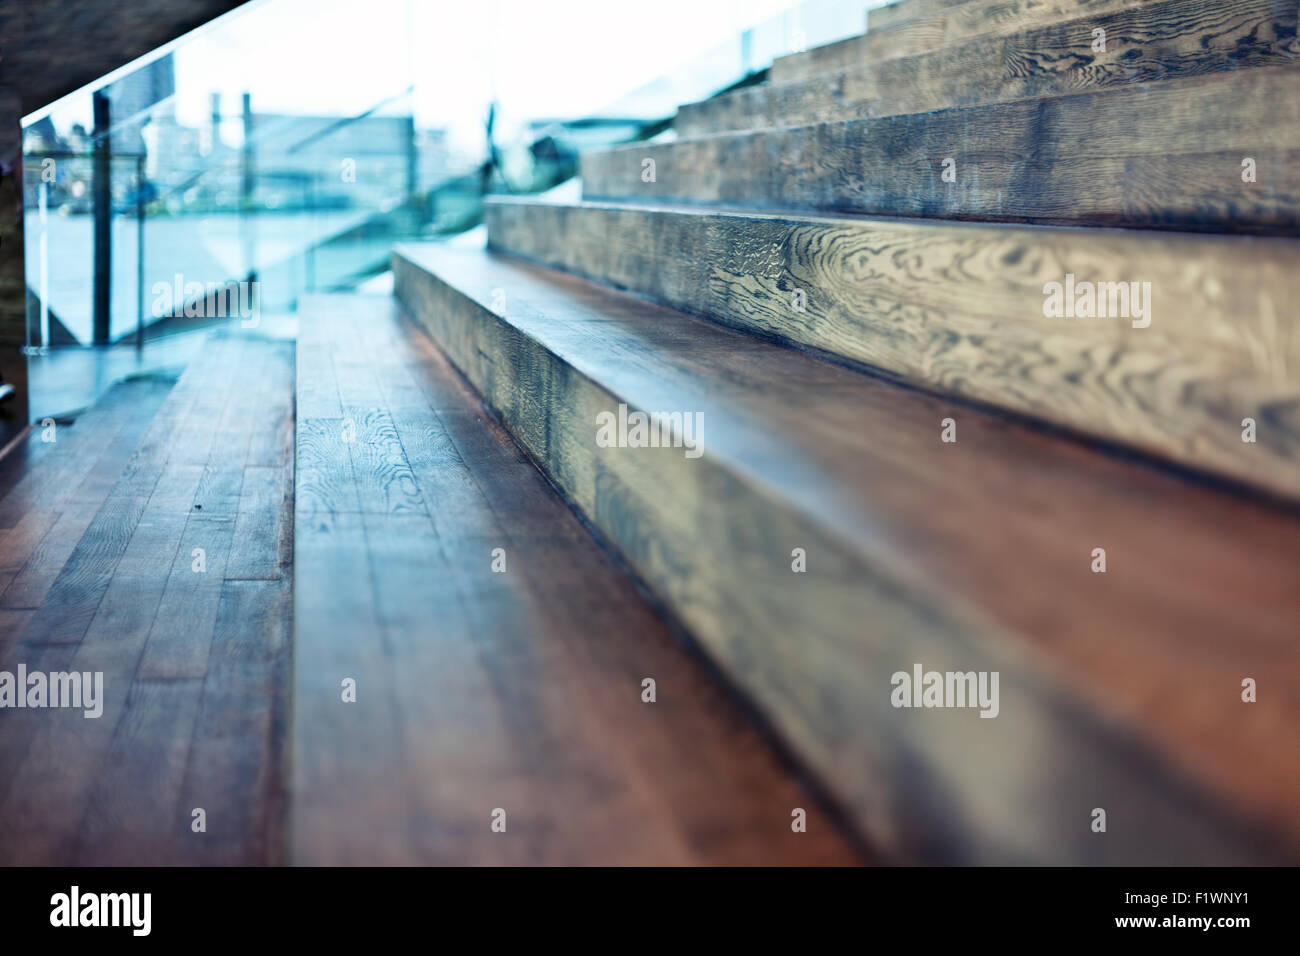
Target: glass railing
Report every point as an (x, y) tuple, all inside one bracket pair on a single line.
[(284, 149)]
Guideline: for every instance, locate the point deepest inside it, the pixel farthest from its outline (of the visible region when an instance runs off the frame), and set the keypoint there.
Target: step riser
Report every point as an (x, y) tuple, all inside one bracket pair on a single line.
[(1073, 160), (1172, 40), (960, 310), (781, 636), (984, 19)]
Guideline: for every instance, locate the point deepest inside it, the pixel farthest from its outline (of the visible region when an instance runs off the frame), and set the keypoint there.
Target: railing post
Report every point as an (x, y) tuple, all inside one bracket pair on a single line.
[(139, 252), (102, 212), (246, 189)]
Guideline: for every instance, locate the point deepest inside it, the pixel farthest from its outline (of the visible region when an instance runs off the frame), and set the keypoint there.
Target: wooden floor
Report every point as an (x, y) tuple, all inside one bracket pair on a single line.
[(480, 691), (150, 542), (477, 690)]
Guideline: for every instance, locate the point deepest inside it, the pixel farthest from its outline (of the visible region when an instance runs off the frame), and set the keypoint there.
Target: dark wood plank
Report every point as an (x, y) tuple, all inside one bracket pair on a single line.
[(965, 556), (66, 610), (234, 769), (19, 542), (1164, 155), (67, 488), (46, 560), (265, 507), (134, 816), (127, 603), (183, 631), (350, 785), (12, 623), (87, 448), (65, 757)]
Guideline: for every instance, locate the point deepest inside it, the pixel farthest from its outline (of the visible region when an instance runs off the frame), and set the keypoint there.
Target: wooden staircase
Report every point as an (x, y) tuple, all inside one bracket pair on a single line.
[(910, 450)]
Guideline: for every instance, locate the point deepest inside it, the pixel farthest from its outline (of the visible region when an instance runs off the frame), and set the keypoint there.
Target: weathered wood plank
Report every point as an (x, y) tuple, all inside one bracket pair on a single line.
[(959, 309), (904, 11), (324, 483), (1162, 155), (42, 809), (967, 556), (66, 488), (978, 19), (66, 610), (350, 786), (1158, 41), (233, 771), (86, 449), (259, 530), (134, 816), (182, 634), (45, 561)]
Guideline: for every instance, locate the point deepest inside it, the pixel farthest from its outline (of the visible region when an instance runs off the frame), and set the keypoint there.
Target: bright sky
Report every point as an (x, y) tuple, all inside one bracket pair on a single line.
[(570, 57)]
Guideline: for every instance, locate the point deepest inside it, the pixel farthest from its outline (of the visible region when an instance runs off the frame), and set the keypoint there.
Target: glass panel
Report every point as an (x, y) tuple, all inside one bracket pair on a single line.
[(283, 149)]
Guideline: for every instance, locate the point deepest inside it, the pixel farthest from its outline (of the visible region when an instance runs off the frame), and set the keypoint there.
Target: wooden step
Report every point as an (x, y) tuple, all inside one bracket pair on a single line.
[(194, 657), (1157, 41), (978, 19), (959, 309), (905, 11), (1164, 155), (1119, 690), (476, 690)]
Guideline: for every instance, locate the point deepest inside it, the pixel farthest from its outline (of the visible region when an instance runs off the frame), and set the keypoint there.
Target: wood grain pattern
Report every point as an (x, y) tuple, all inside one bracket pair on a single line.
[(1158, 156), (125, 601), (476, 689), (958, 308), (978, 19), (968, 556), (905, 11), (1145, 44)]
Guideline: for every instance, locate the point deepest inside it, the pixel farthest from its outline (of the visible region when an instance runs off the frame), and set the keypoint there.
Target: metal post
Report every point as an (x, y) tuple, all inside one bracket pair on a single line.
[(311, 243), (44, 207), (102, 211), (246, 188), (139, 252)]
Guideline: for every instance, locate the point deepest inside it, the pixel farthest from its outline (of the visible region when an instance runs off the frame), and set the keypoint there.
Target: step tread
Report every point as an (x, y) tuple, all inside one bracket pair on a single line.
[(951, 521), (526, 683), (1070, 160), (959, 308), (986, 19), (1171, 39)]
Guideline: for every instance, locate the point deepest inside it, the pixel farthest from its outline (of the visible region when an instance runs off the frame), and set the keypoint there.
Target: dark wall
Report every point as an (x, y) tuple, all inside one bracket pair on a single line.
[(13, 283), (48, 48)]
